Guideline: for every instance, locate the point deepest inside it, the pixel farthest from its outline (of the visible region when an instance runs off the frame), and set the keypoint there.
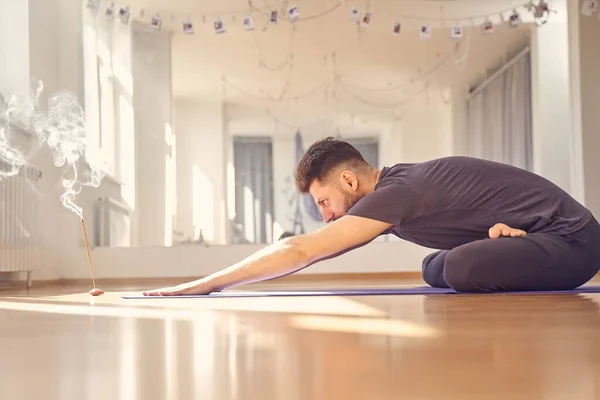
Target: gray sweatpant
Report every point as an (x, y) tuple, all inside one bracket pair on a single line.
[(537, 261)]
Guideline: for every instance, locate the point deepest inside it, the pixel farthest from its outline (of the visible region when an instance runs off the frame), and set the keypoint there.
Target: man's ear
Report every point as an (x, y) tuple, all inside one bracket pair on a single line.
[(349, 180)]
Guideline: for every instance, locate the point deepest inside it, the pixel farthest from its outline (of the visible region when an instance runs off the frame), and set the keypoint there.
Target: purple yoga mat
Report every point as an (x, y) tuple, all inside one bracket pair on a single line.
[(421, 290)]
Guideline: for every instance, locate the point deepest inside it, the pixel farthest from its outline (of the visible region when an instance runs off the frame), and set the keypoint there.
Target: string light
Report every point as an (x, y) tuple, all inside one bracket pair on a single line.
[(392, 106), (288, 58), (268, 98)]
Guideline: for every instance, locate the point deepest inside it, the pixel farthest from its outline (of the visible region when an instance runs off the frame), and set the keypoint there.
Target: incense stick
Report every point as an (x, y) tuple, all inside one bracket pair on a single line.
[(87, 247)]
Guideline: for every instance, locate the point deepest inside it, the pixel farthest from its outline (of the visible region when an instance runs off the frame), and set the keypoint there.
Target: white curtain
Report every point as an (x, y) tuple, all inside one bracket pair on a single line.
[(499, 116)]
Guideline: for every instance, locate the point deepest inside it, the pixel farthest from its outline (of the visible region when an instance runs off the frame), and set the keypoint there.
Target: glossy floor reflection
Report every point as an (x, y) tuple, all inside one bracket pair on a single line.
[(57, 344)]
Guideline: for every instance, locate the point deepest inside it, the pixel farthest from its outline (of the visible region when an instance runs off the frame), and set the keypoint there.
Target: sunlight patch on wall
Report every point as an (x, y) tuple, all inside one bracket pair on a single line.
[(203, 204)]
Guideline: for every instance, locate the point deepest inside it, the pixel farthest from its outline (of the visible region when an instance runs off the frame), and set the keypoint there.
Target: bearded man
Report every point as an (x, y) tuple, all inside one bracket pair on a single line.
[(494, 227)]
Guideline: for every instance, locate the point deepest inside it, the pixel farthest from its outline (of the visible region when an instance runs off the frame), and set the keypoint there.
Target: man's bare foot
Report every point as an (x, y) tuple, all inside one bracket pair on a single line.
[(504, 230)]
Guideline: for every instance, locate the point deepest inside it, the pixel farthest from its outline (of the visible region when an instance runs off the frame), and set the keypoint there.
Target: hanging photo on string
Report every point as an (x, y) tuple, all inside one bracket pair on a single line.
[(487, 27), (293, 13), (155, 22), (188, 27), (541, 11), (396, 28), (354, 12), (219, 26), (425, 32), (514, 20), (366, 20), (124, 14), (110, 11), (248, 23), (588, 7), (456, 32), (93, 5), (274, 17)]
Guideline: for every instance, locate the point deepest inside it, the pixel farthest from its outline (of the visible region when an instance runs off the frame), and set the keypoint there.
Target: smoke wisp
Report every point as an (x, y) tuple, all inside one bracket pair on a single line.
[(62, 129)]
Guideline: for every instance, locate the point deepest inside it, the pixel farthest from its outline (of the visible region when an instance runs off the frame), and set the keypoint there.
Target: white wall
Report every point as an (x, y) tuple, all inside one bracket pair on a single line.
[(427, 130), (565, 62), (44, 46), (201, 170), (551, 97), (458, 96), (14, 48), (152, 104), (586, 64), (284, 188)]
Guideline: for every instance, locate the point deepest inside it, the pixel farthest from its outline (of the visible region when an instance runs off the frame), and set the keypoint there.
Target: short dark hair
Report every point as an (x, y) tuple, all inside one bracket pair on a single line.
[(322, 157)]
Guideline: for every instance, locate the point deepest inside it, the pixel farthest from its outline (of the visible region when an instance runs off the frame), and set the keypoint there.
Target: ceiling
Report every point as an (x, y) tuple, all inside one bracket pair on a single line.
[(313, 61)]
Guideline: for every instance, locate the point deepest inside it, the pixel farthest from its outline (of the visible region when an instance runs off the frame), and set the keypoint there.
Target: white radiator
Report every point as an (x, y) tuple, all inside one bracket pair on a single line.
[(113, 223), (20, 234)]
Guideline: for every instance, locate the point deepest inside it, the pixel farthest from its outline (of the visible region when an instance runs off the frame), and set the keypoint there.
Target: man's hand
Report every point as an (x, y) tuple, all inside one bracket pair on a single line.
[(504, 230), (286, 256), (191, 288)]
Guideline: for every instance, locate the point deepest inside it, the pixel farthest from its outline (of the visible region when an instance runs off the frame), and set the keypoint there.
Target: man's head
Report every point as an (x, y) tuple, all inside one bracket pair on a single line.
[(336, 175)]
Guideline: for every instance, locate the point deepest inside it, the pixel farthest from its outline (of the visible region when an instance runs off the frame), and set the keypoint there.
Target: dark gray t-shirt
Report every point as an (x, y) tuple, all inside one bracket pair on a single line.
[(450, 201)]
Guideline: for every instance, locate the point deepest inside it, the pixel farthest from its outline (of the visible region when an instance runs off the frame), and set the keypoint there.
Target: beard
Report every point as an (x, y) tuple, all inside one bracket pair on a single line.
[(349, 201)]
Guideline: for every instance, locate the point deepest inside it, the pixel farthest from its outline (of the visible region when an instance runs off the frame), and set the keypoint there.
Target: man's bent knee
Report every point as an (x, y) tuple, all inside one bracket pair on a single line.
[(433, 270), (461, 273)]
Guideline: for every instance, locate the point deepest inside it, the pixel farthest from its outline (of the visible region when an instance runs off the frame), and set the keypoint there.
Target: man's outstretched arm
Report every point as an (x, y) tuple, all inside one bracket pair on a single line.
[(286, 256)]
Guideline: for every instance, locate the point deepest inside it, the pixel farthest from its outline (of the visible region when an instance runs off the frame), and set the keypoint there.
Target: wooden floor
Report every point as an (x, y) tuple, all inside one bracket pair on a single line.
[(58, 343)]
